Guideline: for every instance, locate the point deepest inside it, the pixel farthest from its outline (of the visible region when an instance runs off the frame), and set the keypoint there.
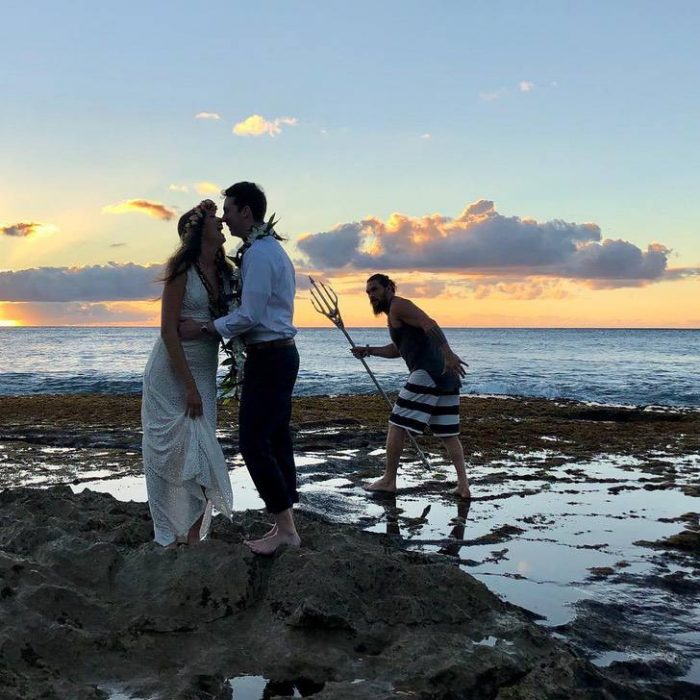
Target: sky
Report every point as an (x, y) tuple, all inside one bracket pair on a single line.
[(508, 164)]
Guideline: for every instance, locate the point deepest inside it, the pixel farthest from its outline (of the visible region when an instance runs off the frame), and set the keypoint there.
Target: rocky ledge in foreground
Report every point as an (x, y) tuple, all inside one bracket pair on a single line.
[(86, 600)]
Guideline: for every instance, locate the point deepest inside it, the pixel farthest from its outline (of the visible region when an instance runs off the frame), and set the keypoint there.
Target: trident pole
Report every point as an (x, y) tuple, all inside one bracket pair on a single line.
[(325, 301)]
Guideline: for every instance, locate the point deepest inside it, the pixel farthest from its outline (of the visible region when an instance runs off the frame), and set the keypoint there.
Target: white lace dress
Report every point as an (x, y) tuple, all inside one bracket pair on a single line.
[(186, 473)]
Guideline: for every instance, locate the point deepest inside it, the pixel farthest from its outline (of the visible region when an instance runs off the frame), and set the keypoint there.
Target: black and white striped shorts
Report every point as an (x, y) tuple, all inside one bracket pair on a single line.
[(420, 404)]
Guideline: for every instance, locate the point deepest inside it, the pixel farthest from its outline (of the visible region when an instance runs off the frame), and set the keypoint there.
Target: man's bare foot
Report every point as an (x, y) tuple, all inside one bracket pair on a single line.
[(272, 531), (382, 485), (269, 545), (462, 491)]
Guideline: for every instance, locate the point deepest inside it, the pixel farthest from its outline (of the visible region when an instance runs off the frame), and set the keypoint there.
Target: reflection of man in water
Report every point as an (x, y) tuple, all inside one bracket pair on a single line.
[(450, 545), (431, 394), (454, 542)]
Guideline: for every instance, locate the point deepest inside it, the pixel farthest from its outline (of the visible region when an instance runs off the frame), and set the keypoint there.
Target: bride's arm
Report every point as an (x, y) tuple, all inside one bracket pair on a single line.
[(171, 305)]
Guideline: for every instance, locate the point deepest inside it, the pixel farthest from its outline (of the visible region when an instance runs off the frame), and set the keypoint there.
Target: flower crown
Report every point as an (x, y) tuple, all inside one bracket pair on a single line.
[(198, 213)]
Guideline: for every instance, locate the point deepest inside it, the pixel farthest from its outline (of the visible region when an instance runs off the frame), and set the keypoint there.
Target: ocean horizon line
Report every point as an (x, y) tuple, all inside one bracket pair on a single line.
[(320, 328)]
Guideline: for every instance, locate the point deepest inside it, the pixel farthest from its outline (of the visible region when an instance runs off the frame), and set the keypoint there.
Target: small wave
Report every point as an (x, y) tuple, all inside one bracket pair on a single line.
[(312, 383), (20, 384)]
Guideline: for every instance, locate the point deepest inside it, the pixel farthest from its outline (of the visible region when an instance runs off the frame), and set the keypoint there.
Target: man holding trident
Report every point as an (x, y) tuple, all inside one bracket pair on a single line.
[(431, 394)]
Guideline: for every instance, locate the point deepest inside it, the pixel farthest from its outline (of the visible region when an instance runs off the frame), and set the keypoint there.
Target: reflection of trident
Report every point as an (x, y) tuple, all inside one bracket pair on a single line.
[(325, 301)]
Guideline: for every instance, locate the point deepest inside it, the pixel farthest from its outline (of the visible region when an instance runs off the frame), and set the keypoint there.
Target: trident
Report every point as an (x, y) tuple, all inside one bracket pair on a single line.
[(325, 301)]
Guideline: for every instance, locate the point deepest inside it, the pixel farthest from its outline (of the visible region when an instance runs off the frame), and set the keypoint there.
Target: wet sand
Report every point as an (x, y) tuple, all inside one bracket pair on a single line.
[(585, 515)]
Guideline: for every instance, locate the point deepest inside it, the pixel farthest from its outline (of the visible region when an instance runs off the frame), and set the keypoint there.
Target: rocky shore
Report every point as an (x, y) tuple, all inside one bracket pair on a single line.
[(490, 426), (88, 603), (594, 509)]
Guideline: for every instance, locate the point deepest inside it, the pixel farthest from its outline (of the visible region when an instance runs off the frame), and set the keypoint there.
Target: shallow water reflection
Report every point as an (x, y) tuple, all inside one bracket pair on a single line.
[(545, 532), (260, 688)]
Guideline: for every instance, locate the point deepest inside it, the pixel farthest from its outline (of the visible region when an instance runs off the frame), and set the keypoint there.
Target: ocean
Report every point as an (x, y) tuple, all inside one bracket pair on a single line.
[(606, 366)]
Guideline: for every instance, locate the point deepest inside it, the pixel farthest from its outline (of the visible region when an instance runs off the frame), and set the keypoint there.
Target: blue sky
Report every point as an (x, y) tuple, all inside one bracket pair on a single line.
[(579, 111)]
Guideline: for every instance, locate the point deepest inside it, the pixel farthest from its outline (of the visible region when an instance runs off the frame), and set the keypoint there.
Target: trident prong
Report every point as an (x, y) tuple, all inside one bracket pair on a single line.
[(316, 304), (325, 301), (322, 296)]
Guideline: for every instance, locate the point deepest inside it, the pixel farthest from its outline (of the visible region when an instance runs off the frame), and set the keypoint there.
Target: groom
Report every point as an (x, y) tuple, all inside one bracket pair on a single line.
[(264, 321)]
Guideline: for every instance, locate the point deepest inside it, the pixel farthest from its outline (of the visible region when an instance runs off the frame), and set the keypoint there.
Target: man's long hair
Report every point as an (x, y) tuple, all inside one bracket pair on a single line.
[(384, 280)]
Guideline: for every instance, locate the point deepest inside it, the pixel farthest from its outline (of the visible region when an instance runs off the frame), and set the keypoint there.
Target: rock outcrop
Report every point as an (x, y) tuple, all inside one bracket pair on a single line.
[(88, 602)]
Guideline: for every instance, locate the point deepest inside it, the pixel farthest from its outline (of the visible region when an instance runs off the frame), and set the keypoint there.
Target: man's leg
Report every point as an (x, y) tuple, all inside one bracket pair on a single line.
[(272, 485), (394, 447), (412, 411), (255, 428), (281, 367), (283, 452), (287, 365), (456, 454), (282, 445), (254, 443)]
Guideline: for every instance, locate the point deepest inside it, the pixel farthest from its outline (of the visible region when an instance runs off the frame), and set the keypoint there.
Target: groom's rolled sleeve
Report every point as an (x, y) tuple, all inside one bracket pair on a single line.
[(256, 276)]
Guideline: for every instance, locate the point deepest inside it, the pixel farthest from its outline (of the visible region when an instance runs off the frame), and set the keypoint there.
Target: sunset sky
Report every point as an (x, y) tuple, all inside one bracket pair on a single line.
[(507, 163)]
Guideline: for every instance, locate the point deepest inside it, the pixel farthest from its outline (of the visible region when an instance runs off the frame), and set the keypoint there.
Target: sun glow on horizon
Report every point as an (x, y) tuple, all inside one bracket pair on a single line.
[(9, 323)]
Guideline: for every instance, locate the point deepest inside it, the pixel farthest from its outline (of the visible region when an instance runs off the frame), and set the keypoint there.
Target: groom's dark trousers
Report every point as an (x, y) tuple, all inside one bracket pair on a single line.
[(265, 411)]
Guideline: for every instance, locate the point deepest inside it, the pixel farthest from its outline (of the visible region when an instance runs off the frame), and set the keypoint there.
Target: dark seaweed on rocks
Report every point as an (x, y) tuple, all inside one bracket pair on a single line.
[(92, 602)]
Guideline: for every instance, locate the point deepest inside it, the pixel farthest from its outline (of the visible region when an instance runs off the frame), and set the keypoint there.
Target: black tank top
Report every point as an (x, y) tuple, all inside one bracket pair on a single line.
[(419, 353)]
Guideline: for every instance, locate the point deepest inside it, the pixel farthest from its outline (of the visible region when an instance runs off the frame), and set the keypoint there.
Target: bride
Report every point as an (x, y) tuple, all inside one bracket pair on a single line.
[(186, 473)]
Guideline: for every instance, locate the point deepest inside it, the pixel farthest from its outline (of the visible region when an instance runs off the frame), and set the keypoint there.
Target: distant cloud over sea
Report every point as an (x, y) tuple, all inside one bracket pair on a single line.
[(112, 282), (480, 240)]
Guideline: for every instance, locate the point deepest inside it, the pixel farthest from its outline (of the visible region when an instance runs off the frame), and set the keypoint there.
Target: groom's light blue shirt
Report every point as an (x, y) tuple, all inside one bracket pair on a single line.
[(267, 303)]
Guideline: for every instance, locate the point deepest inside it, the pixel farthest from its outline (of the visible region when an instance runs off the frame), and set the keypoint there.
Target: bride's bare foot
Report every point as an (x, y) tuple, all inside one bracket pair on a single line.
[(383, 485), (194, 534), (462, 490), (269, 545)]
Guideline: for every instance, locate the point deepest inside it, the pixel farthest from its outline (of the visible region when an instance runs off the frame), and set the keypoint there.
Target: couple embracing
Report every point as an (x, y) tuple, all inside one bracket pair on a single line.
[(206, 301)]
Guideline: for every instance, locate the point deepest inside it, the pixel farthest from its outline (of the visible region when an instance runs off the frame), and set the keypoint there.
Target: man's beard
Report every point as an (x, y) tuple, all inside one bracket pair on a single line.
[(381, 306)]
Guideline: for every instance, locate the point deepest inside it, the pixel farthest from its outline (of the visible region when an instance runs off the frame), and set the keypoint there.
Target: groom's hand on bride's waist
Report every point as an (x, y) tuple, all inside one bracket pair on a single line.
[(188, 329)]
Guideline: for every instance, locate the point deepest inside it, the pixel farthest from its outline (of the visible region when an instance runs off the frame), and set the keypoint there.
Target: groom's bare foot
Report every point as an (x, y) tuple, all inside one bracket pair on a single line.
[(383, 485), (270, 532), (269, 545)]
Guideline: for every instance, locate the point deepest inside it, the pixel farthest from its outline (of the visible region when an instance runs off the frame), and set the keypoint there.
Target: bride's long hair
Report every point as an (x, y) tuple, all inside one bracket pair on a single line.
[(187, 253)]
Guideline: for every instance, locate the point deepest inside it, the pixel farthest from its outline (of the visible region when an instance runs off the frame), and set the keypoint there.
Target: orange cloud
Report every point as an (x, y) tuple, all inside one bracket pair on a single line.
[(155, 210), (255, 125), (524, 290), (24, 229), (204, 188), (130, 313)]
